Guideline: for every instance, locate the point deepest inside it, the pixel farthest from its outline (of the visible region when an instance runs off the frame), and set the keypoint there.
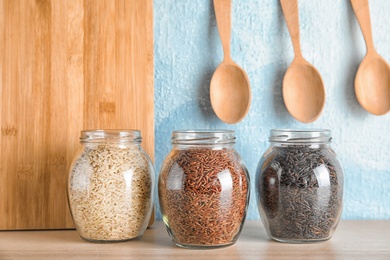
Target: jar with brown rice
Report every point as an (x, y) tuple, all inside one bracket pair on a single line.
[(110, 188), (203, 189)]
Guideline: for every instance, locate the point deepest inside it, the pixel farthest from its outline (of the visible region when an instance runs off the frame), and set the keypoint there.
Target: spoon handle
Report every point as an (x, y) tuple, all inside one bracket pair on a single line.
[(290, 11), (362, 12), (223, 15)]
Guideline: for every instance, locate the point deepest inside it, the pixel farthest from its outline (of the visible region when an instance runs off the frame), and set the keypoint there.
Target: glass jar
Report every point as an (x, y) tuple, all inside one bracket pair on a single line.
[(203, 189), (299, 186), (110, 188)]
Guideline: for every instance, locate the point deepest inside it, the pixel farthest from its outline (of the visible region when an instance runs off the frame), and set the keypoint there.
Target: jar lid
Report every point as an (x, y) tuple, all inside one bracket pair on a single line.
[(110, 136), (313, 136), (203, 137)]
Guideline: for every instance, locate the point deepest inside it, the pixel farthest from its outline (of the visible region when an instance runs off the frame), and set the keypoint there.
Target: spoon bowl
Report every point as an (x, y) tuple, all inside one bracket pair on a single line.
[(372, 85), (303, 91), (230, 93)]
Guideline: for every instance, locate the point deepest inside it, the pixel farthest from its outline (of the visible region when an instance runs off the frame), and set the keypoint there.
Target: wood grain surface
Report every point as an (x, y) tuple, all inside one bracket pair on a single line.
[(352, 240), (66, 66)]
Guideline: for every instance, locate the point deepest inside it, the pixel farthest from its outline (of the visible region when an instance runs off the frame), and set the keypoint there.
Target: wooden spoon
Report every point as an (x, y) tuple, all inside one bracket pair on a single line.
[(372, 82), (303, 89), (230, 92)]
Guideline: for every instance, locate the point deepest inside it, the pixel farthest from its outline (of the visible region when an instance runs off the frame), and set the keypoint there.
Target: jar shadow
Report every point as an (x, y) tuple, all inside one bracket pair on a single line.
[(158, 237), (254, 232)]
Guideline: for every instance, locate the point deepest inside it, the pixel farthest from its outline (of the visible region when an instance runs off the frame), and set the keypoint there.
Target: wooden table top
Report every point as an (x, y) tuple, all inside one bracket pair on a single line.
[(352, 240)]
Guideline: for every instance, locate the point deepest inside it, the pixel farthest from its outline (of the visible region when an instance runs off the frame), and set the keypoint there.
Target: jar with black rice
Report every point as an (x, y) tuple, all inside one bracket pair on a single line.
[(203, 189), (299, 186)]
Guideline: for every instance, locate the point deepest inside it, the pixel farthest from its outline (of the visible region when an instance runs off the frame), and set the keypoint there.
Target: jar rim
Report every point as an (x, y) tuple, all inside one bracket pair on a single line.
[(110, 136), (203, 137), (303, 136)]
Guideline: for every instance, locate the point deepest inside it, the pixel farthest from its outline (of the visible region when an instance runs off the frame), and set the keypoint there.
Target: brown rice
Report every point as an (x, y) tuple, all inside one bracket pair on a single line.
[(203, 196)]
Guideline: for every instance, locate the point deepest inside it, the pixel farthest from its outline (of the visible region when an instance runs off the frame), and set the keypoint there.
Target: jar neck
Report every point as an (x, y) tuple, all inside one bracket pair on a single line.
[(111, 137), (203, 146), (297, 146), (206, 139), (287, 137)]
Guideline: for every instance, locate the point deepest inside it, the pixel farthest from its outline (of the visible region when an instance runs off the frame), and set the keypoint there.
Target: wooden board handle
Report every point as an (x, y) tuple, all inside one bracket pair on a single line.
[(291, 15), (223, 9), (362, 12)]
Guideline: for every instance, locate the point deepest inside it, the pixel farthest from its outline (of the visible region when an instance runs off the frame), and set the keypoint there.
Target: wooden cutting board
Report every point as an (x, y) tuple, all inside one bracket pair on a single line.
[(66, 66)]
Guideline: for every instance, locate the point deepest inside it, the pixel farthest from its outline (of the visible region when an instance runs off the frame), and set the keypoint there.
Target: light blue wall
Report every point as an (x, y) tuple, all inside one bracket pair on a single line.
[(187, 51)]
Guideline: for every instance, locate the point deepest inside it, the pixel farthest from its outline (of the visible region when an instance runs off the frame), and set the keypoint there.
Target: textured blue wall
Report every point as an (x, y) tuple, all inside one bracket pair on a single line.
[(187, 51)]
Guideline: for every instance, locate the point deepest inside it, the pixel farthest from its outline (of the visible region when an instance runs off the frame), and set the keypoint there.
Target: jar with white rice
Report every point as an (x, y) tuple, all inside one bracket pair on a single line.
[(110, 188)]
